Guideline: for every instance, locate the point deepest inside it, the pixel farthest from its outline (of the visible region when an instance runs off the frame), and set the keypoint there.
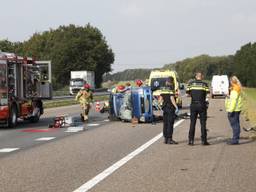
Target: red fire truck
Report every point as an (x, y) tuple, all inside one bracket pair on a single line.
[(24, 83)]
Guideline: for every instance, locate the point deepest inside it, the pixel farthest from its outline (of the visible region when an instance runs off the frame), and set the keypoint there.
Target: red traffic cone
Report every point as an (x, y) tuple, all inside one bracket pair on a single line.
[(97, 106)]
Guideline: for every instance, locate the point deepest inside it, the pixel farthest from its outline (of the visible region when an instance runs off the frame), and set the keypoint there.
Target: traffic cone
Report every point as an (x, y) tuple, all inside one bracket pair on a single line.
[(97, 107)]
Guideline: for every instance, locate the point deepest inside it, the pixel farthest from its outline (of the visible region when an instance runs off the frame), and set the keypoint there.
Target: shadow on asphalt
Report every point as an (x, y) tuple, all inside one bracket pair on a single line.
[(219, 140)]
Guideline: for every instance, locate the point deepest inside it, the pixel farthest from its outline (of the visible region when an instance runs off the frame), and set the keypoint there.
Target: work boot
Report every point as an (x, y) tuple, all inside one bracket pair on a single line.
[(231, 142), (191, 142), (172, 142), (205, 143), (82, 117)]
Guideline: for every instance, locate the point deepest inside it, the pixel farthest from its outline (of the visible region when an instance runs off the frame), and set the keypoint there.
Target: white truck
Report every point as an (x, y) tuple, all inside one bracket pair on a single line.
[(79, 78), (219, 85)]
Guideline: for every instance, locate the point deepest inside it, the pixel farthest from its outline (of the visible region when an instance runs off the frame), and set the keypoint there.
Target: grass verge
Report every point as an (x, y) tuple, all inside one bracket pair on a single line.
[(67, 102), (250, 105)]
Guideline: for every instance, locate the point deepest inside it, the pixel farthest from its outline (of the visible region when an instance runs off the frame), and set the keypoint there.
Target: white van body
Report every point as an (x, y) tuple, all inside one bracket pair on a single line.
[(219, 85)]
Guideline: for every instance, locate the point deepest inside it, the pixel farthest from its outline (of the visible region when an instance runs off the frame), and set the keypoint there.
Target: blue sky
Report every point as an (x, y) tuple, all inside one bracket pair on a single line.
[(142, 33)]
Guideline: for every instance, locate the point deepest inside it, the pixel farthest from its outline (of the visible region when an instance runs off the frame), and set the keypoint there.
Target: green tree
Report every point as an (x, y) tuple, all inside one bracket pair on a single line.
[(69, 48)]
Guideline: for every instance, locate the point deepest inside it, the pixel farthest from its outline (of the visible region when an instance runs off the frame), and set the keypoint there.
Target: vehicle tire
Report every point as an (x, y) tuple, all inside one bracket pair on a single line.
[(13, 117), (212, 96)]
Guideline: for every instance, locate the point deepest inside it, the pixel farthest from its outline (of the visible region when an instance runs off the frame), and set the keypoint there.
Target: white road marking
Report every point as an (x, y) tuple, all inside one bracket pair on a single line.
[(106, 120), (7, 150), (93, 124), (74, 129), (45, 138), (91, 183)]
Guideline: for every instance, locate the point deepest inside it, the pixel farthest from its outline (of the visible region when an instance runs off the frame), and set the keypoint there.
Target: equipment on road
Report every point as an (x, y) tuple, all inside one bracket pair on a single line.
[(97, 106), (59, 122), (79, 78), (24, 82)]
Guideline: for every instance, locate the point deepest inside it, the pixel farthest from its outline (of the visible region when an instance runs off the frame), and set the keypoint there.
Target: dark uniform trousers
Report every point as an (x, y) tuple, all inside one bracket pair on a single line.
[(168, 118), (195, 110)]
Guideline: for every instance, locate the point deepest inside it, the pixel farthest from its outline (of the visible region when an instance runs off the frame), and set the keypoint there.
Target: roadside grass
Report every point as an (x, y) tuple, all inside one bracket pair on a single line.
[(250, 105), (67, 102)]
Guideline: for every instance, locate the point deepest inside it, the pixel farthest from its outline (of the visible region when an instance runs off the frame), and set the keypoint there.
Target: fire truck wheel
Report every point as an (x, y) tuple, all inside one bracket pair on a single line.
[(12, 121)]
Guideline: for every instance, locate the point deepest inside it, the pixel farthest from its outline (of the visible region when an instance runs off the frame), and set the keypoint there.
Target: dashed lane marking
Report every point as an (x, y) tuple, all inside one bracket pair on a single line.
[(93, 124), (45, 138), (7, 150), (74, 129), (94, 181)]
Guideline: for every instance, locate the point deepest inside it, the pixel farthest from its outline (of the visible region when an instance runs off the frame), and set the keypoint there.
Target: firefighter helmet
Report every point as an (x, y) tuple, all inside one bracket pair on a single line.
[(139, 82), (87, 86)]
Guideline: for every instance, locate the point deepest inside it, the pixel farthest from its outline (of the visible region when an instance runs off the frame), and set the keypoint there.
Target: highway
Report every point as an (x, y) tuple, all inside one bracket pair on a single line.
[(117, 156)]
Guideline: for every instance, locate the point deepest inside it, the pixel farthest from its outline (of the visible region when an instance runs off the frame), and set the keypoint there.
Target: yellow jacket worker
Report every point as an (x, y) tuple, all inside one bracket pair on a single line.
[(85, 97), (233, 105)]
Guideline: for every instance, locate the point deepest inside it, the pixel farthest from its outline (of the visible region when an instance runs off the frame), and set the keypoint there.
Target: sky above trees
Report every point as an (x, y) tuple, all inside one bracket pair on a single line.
[(142, 33)]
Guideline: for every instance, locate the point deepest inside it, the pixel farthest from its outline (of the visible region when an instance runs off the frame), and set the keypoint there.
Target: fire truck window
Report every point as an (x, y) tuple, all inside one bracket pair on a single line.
[(3, 85), (31, 81), (44, 73)]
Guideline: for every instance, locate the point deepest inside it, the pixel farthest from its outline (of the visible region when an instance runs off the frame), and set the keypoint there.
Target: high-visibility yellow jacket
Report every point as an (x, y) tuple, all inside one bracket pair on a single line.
[(84, 96), (233, 103)]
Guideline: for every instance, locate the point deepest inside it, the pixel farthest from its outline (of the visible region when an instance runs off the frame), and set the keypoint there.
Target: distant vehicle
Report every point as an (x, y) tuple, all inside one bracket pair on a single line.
[(79, 78), (157, 81), (24, 82), (219, 85)]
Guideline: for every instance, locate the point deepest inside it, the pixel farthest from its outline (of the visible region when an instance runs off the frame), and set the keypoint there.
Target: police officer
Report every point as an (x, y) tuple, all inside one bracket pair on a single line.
[(198, 91), (169, 109), (85, 97)]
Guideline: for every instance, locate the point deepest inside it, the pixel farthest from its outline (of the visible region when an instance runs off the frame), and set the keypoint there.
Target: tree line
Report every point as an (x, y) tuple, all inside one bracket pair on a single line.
[(69, 48), (241, 64), (127, 75), (85, 48)]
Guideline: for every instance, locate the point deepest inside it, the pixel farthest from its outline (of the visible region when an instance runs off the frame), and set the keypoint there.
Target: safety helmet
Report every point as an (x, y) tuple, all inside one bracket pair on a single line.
[(87, 86), (139, 82), (120, 87)]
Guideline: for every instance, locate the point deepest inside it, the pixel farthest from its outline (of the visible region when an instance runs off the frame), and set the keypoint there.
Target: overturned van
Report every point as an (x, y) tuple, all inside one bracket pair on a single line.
[(136, 103)]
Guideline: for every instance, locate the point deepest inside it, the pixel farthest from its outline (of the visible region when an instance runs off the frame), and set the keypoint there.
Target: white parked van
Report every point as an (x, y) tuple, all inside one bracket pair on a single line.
[(219, 85)]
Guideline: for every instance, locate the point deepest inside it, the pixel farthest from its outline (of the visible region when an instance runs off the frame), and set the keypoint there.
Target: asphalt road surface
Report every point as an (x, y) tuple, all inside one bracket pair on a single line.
[(117, 156)]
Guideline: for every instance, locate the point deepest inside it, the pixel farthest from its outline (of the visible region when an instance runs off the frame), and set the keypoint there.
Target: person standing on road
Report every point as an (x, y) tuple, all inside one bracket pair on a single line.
[(233, 104), (198, 91), (85, 97), (169, 109)]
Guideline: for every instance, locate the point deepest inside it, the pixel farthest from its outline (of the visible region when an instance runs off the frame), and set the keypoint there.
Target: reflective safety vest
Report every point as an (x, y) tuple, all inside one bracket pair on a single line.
[(198, 90), (233, 103)]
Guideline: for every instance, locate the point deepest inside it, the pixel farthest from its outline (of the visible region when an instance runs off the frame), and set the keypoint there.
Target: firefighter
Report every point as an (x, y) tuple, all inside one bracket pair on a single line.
[(170, 108), (198, 91), (85, 97)]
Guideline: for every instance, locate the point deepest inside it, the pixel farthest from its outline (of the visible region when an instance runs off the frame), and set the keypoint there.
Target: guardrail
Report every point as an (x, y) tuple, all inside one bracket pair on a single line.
[(98, 93)]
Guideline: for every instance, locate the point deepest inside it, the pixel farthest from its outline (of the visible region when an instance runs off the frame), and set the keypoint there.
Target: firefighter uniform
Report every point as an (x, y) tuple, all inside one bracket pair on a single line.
[(85, 97), (198, 90)]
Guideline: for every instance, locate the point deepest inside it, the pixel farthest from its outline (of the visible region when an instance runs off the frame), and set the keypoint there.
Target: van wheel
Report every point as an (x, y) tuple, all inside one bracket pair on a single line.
[(212, 96), (12, 120)]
